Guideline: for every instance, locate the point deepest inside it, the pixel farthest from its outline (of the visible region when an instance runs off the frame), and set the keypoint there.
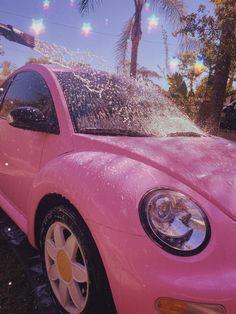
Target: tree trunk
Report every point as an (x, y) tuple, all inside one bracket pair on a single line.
[(223, 62), (231, 76), (136, 35)]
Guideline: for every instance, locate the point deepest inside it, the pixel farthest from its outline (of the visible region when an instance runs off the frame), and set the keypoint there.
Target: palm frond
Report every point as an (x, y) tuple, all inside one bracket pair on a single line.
[(122, 44), (1, 49), (173, 10), (147, 73), (85, 6)]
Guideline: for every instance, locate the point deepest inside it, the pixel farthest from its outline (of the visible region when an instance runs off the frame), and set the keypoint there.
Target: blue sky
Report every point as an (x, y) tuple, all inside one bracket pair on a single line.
[(63, 27)]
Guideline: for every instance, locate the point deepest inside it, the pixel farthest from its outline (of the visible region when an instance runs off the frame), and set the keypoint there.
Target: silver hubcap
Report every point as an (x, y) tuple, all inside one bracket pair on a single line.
[(66, 268)]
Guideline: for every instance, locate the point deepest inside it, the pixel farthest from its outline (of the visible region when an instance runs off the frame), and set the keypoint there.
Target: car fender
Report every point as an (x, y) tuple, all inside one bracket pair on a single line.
[(105, 188)]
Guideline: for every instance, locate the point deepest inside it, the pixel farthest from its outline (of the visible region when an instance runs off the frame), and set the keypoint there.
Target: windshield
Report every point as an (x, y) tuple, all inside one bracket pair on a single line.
[(106, 104)]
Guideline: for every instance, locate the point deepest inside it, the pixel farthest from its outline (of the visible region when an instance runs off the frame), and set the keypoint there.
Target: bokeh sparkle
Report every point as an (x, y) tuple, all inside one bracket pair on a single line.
[(72, 3), (37, 26), (153, 22), (147, 6), (199, 66), (86, 29), (46, 4), (173, 64)]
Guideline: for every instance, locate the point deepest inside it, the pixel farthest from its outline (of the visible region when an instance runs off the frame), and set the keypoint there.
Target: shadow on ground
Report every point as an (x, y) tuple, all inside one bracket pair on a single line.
[(15, 292), (23, 288)]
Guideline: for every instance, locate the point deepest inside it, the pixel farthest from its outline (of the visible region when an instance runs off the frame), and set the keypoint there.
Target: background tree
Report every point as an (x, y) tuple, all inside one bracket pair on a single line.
[(38, 60), (231, 77), (147, 74), (141, 72), (187, 61), (1, 49), (172, 10), (178, 88), (201, 35), (183, 82), (7, 68), (216, 38), (182, 89), (226, 13)]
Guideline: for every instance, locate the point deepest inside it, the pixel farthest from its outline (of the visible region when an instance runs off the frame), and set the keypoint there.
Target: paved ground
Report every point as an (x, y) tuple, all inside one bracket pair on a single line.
[(23, 289), (15, 292)]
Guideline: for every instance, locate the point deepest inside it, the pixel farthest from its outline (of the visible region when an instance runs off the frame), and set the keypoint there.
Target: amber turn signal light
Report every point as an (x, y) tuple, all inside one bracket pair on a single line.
[(173, 306)]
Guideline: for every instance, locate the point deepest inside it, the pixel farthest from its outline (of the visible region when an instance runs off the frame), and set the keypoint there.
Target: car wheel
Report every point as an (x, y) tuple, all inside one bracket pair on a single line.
[(73, 265)]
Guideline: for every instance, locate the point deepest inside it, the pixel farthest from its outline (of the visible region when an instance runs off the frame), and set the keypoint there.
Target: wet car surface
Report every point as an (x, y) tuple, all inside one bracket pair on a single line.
[(127, 200)]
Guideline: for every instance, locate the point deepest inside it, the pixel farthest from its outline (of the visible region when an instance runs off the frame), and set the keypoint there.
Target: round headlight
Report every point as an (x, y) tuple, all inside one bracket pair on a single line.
[(174, 221)]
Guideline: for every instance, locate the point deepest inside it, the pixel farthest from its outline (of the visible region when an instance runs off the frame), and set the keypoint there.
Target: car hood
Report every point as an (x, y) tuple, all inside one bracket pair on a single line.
[(206, 164)]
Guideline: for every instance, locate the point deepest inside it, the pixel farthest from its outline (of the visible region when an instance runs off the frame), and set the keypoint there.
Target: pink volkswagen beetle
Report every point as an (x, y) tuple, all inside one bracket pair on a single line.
[(132, 205)]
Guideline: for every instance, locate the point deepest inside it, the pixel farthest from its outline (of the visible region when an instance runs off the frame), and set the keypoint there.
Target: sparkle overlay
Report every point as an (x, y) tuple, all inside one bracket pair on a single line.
[(173, 64), (72, 3), (37, 26), (147, 6), (199, 66), (86, 29), (153, 22), (46, 4)]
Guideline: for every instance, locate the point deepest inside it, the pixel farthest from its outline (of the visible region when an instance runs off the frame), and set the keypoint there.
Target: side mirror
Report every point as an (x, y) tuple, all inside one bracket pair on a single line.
[(28, 118)]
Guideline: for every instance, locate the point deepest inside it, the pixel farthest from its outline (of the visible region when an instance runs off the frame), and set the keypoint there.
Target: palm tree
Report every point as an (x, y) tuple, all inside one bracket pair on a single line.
[(1, 50), (172, 10)]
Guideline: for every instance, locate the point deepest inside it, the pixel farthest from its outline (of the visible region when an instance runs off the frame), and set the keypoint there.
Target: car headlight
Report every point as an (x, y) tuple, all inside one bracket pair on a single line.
[(174, 221)]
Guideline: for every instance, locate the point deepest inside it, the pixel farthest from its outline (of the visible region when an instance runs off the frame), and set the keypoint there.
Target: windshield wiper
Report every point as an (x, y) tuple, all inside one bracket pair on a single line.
[(193, 134), (112, 132)]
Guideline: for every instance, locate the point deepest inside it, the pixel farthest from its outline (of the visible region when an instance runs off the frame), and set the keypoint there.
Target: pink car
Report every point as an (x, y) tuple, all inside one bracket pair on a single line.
[(132, 206)]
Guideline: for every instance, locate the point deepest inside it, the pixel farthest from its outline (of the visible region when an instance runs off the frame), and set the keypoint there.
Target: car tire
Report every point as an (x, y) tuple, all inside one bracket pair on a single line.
[(72, 263)]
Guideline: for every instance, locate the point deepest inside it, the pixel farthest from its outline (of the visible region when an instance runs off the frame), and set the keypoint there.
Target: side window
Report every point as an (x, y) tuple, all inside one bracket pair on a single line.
[(29, 89), (3, 89)]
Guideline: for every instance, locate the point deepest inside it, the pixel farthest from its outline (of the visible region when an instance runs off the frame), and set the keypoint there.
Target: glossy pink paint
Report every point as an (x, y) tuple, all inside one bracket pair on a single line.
[(105, 179)]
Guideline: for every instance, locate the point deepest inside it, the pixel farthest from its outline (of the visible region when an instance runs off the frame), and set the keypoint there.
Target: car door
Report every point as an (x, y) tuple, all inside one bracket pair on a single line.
[(21, 150)]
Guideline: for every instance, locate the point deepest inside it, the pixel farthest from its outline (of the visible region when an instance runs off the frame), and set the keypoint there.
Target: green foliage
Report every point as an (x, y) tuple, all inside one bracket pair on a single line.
[(1, 50), (7, 68), (178, 88), (187, 70), (147, 74), (179, 92), (226, 20), (216, 38), (203, 28), (142, 72)]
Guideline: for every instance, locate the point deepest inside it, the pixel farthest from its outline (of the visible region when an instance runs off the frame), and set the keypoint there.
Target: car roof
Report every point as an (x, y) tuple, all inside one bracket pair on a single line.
[(52, 68)]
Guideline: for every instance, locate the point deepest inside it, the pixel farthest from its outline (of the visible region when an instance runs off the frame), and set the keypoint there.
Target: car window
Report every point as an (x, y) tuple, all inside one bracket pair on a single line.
[(29, 89), (102, 103), (3, 89)]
